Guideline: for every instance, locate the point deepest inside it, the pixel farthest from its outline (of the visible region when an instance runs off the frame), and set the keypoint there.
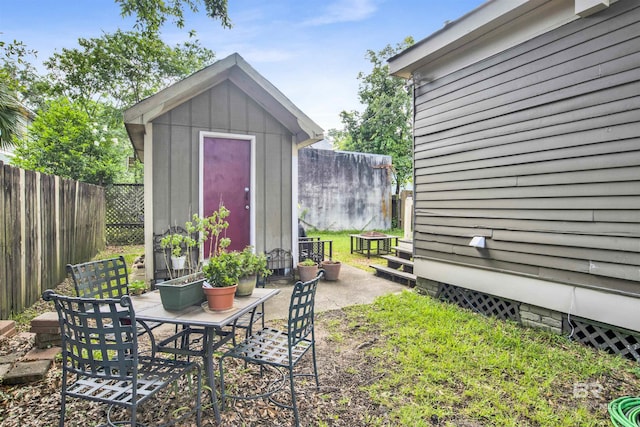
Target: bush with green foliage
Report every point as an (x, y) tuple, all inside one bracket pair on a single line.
[(65, 140)]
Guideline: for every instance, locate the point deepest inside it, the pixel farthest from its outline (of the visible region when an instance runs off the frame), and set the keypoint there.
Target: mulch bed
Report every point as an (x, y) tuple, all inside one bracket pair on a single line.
[(343, 365)]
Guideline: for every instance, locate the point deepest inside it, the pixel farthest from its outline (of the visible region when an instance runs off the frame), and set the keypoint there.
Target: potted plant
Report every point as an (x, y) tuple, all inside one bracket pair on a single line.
[(221, 276), (251, 265), (137, 287), (331, 269), (174, 243), (181, 292), (211, 230), (307, 269)]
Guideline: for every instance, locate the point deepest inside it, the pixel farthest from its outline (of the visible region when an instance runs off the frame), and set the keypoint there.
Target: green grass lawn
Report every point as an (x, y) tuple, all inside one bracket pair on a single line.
[(130, 253), (439, 364), (342, 247), (443, 365)]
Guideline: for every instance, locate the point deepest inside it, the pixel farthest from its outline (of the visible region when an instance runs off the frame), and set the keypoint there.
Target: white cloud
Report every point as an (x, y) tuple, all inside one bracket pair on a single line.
[(344, 11)]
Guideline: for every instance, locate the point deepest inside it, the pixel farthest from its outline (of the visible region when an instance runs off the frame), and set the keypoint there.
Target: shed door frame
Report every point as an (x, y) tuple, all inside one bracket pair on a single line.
[(252, 193)]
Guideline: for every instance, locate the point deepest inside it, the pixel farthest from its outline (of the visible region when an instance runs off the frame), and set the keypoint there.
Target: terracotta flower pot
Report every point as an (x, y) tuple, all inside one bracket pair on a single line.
[(331, 270), (220, 299), (307, 272)]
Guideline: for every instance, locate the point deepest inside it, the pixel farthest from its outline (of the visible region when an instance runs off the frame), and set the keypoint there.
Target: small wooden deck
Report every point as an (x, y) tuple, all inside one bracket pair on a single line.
[(399, 267)]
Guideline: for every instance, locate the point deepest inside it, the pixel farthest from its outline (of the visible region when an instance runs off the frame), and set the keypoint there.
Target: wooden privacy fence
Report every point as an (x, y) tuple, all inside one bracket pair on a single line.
[(45, 223)]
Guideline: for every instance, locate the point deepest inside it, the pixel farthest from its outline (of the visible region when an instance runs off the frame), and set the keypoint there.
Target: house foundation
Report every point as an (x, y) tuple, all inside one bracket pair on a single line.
[(605, 337)]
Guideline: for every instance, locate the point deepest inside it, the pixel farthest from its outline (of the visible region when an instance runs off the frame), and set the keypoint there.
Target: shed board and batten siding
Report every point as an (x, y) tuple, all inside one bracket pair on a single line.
[(537, 148), (228, 99), (225, 109)]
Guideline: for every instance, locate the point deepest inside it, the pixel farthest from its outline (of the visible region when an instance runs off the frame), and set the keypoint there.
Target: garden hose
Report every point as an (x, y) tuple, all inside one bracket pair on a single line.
[(625, 411)]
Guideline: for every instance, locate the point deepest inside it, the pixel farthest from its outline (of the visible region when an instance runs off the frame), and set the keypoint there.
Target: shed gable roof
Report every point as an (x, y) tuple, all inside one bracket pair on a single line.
[(235, 69)]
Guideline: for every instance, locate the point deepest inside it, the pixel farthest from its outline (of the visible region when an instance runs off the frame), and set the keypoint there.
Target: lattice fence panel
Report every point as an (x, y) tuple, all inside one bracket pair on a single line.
[(604, 337), (489, 305), (125, 214)]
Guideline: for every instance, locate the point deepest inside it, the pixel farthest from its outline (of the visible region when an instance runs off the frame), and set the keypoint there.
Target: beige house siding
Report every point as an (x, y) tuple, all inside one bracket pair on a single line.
[(537, 149), (224, 108)]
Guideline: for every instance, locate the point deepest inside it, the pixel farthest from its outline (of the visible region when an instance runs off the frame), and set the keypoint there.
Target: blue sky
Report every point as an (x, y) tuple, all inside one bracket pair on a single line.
[(311, 50)]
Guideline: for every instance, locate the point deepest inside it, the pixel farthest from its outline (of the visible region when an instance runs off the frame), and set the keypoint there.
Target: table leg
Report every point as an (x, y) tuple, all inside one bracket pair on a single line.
[(210, 335)]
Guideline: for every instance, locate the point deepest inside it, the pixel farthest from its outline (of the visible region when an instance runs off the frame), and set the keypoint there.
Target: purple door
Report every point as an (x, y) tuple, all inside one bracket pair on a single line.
[(226, 178)]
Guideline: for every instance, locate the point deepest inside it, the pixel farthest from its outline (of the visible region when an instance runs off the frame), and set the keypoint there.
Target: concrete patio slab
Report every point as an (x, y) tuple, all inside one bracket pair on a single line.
[(355, 286), (42, 354), (25, 372)]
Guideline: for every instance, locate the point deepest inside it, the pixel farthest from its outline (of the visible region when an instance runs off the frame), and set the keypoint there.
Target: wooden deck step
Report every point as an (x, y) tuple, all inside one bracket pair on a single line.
[(403, 252), (399, 263), (395, 275)]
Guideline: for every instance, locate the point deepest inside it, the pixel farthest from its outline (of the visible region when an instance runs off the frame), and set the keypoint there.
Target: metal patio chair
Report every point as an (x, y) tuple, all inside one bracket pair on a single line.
[(105, 360), (280, 349), (106, 278)]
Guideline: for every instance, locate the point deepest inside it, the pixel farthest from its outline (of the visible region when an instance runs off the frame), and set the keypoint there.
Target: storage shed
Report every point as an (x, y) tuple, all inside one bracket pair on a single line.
[(222, 134), (527, 161)]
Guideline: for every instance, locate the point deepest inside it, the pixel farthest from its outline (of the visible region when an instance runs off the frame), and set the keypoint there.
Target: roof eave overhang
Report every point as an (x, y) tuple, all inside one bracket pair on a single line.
[(238, 71), (490, 17), (136, 136)]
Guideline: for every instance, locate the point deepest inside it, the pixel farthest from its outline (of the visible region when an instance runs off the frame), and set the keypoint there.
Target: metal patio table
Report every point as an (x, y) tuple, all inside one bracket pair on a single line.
[(362, 244), (148, 308)]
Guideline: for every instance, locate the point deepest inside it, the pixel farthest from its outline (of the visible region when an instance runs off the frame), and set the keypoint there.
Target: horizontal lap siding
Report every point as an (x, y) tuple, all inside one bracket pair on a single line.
[(538, 150)]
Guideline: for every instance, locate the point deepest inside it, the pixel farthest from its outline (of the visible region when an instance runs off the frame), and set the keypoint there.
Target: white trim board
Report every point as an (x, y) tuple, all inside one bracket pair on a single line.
[(613, 309)]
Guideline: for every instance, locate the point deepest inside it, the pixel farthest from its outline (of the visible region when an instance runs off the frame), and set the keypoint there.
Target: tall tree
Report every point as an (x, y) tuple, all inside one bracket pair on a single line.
[(384, 127), (104, 75), (124, 67), (152, 14), (20, 76)]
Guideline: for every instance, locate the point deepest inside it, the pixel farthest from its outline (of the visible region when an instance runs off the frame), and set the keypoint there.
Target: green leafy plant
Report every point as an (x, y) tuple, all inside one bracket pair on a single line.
[(308, 263), (199, 231), (137, 287), (173, 242), (224, 269), (211, 229), (177, 243), (252, 263)]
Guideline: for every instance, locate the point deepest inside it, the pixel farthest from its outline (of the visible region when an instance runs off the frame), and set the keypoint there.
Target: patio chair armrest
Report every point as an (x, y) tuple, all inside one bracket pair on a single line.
[(147, 330)]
